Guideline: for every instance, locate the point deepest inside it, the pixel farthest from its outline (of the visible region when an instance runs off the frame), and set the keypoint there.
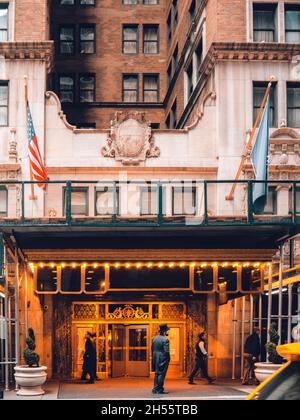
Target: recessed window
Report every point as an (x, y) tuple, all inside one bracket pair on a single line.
[(151, 88), (259, 90), (67, 2), (175, 14), (184, 201), (151, 39), (174, 115), (3, 201), (175, 60), (292, 23), (87, 39), (3, 22), (107, 201), (66, 88), (87, 88), (151, 1), (130, 1), (67, 40), (190, 82), (79, 201), (265, 22), (293, 105), (130, 88), (130, 39), (3, 104)]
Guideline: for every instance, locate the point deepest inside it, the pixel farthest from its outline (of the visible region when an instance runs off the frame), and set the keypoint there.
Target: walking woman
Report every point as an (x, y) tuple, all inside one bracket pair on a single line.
[(201, 360)]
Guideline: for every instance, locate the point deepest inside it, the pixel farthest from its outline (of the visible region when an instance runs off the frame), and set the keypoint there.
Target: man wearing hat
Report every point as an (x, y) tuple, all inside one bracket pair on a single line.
[(160, 358)]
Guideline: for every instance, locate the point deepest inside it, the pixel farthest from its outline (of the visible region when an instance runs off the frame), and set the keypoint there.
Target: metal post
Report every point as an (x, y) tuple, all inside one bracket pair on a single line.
[(26, 298), (290, 312), (6, 358), (260, 314), (251, 314), (17, 325), (234, 338), (243, 335), (270, 300), (280, 297)]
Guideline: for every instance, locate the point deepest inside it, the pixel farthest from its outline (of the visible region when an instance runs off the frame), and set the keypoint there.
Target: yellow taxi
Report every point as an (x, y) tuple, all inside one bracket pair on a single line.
[(284, 385)]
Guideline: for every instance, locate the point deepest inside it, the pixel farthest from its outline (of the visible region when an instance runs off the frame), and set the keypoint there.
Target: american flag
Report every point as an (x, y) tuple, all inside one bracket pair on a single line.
[(37, 167)]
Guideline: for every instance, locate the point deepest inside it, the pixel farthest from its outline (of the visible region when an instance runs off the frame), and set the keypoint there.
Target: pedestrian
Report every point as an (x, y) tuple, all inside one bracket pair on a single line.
[(201, 360), (252, 353), (160, 358), (89, 359)]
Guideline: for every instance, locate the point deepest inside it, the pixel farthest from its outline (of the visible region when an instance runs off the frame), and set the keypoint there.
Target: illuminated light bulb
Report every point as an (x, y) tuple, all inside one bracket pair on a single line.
[(150, 265), (96, 265), (203, 265), (42, 265), (214, 265), (128, 266), (63, 265), (52, 265), (246, 265), (107, 265), (225, 265), (139, 265), (256, 264), (171, 265), (117, 265), (161, 265), (103, 284), (235, 265), (182, 265), (193, 264), (74, 265)]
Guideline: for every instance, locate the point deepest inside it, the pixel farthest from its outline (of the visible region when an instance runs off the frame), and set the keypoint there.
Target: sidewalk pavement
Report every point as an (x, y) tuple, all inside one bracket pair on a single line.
[(132, 389)]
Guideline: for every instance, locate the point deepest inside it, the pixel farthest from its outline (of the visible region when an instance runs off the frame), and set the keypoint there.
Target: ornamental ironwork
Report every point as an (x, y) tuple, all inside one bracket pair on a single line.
[(86, 311), (129, 313), (172, 312)]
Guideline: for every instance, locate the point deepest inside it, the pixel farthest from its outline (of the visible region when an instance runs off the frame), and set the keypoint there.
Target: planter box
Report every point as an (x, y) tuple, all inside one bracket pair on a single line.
[(264, 370), (30, 380)]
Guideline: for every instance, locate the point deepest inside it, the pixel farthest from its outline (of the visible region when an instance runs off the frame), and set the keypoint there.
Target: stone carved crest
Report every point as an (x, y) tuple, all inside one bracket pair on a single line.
[(130, 140)]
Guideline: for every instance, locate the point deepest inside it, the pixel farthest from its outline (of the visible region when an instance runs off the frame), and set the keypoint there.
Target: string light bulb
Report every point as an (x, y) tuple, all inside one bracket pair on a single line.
[(150, 265)]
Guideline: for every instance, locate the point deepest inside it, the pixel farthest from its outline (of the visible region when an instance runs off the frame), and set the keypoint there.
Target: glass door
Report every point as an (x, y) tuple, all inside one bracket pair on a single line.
[(137, 352), (118, 351)]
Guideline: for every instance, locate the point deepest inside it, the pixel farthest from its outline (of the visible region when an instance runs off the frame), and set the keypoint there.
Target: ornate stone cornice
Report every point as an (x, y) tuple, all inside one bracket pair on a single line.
[(43, 50)]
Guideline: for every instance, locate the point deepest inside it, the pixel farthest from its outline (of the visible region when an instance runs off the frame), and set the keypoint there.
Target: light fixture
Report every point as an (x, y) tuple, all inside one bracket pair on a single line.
[(117, 265), (193, 264), (150, 265), (128, 265), (245, 265), (171, 265), (52, 265), (182, 265), (63, 265), (74, 265), (107, 265), (214, 264), (42, 265), (96, 265), (225, 264), (161, 265), (203, 265), (138, 266)]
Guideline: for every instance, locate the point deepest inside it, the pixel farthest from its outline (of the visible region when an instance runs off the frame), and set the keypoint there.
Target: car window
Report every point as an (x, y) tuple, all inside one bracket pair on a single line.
[(284, 387)]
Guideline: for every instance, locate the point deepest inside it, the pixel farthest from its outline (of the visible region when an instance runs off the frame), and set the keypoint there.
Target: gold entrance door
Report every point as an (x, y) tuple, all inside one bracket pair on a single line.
[(118, 351), (130, 351), (137, 354)]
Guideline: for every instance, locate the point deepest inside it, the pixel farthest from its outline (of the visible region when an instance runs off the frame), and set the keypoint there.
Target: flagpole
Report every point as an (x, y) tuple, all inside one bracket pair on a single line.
[(230, 196), (32, 196)]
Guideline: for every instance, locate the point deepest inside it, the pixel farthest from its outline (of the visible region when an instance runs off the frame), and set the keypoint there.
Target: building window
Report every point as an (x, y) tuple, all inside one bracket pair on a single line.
[(192, 11), (169, 74), (79, 201), (107, 201), (293, 105), (265, 22), (199, 57), (67, 88), (169, 29), (292, 23), (149, 201), (130, 88), (184, 201), (175, 14), (259, 90), (3, 104), (3, 201), (87, 2), (151, 1), (67, 2), (66, 40), (151, 39), (87, 88), (130, 1), (174, 115), (151, 88), (175, 60), (87, 39), (130, 39), (3, 22), (190, 84), (80, 2)]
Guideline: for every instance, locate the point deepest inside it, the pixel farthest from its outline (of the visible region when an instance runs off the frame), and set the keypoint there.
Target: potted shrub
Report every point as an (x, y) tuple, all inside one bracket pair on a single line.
[(32, 376), (264, 370)]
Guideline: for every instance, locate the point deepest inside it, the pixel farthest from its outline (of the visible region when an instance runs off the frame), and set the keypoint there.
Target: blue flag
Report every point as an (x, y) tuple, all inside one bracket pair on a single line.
[(259, 157)]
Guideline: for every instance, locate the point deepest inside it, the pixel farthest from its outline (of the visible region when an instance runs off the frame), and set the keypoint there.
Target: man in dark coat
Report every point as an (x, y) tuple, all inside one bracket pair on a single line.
[(252, 353), (90, 359), (160, 359)]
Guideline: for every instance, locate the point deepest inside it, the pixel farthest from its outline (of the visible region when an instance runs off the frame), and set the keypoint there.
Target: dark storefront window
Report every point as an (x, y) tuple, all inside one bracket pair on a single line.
[(94, 279), (204, 279), (71, 279), (47, 279)]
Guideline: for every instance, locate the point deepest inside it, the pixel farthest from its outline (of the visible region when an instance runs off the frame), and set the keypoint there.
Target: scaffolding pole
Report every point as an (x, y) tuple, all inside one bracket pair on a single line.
[(280, 297)]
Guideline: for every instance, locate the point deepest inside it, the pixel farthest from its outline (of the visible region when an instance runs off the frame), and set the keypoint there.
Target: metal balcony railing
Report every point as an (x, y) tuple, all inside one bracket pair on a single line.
[(194, 203)]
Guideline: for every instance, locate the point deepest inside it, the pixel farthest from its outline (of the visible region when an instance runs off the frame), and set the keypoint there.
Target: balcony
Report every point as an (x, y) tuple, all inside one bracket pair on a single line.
[(192, 203)]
